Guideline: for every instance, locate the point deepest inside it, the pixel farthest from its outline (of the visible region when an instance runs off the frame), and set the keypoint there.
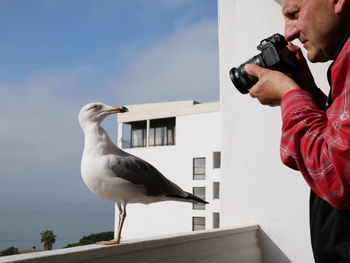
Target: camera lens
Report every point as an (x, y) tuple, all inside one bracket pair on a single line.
[(238, 79), (243, 81)]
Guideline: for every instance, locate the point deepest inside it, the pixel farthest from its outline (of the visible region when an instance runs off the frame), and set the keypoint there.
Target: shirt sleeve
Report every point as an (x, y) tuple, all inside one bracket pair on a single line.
[(317, 142)]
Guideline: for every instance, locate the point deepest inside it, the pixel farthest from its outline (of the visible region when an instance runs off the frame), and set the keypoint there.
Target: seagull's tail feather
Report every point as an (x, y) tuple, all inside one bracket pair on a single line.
[(188, 198)]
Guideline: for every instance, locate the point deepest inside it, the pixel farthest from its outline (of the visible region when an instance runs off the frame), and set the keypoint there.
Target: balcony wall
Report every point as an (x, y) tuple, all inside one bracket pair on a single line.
[(224, 245)]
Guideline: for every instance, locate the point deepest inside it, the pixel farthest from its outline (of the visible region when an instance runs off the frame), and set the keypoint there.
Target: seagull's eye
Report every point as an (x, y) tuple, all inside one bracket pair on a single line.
[(95, 107)]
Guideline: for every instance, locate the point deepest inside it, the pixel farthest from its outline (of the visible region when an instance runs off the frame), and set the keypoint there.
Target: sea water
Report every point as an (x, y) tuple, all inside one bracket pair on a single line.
[(22, 222)]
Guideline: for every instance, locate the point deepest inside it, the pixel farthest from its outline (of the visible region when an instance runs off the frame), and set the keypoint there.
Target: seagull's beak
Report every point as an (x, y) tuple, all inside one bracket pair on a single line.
[(117, 109)]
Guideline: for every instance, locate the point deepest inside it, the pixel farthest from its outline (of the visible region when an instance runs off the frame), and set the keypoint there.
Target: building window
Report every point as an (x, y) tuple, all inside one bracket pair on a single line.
[(216, 159), (126, 135), (198, 223), (138, 134), (216, 220), (162, 132), (200, 192), (198, 168), (216, 190)]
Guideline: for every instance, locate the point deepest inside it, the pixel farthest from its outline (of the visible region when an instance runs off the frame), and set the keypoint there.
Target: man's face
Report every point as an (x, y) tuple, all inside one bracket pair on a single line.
[(312, 22)]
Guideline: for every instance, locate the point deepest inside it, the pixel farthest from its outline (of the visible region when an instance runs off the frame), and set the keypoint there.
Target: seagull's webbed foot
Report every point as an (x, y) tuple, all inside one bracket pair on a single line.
[(110, 242)]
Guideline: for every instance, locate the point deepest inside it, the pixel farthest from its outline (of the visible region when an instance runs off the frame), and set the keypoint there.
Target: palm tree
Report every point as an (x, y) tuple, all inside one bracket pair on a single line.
[(48, 238)]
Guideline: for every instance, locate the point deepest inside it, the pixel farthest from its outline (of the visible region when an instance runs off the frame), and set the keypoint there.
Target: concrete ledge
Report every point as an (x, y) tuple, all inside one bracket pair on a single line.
[(223, 245)]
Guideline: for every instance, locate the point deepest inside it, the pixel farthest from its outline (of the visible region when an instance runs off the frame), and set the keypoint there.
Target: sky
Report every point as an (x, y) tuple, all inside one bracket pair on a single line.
[(58, 55)]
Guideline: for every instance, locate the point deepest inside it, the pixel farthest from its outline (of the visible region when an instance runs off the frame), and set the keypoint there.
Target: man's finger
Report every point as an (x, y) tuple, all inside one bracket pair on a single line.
[(293, 48), (252, 94), (254, 70), (296, 50)]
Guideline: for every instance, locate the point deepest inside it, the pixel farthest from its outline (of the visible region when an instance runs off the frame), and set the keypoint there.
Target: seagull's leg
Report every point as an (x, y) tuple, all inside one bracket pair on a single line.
[(122, 216), (120, 225), (120, 219)]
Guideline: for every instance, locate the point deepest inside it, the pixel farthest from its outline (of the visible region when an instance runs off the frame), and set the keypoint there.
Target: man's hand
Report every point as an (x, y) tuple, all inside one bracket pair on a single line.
[(304, 78), (272, 85)]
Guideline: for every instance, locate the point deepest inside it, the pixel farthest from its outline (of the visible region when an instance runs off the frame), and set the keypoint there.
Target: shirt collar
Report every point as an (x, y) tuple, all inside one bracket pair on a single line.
[(342, 43), (329, 72)]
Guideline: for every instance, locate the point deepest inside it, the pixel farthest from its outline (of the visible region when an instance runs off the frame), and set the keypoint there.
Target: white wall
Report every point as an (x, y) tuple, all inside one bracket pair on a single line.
[(219, 246), (256, 187), (197, 135)]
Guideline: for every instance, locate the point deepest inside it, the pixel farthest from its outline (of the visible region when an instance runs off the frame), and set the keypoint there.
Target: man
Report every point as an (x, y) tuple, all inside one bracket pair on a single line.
[(316, 130)]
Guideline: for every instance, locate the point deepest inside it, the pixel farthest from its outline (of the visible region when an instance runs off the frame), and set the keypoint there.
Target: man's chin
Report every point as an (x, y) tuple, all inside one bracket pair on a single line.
[(317, 55), (312, 59)]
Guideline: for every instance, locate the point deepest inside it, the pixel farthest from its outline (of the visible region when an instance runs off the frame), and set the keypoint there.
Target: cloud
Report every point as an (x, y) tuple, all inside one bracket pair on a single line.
[(182, 66)]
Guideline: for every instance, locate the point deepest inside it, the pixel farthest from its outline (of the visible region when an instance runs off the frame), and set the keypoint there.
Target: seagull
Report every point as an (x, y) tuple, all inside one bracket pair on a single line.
[(118, 176)]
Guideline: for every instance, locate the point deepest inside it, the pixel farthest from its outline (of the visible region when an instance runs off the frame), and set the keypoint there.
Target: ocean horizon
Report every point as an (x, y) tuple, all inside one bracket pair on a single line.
[(21, 222)]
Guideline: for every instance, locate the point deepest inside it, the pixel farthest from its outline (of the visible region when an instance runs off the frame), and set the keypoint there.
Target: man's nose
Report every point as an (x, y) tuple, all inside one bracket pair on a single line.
[(291, 32)]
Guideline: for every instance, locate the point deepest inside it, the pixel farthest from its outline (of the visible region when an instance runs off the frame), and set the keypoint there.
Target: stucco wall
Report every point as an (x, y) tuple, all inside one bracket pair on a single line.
[(219, 246), (256, 187)]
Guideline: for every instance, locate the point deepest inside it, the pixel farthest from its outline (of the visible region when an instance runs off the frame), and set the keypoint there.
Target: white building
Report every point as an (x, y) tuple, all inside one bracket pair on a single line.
[(182, 140)]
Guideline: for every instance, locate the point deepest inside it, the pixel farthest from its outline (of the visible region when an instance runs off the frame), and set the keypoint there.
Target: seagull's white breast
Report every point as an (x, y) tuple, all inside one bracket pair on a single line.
[(101, 180)]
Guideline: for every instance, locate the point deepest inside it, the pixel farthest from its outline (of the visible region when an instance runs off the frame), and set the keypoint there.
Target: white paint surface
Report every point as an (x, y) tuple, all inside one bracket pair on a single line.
[(219, 246)]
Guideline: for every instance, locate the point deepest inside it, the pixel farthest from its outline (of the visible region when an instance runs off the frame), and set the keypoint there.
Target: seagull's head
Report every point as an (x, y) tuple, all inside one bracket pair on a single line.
[(96, 112)]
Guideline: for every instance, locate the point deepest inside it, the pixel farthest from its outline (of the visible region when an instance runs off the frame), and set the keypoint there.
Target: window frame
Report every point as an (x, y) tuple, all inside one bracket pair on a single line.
[(216, 194), (164, 126), (195, 174), (199, 206), (217, 160), (194, 228), (216, 220), (135, 126)]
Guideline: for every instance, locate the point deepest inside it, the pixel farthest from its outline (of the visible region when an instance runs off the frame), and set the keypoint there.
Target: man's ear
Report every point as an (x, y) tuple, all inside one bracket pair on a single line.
[(340, 5)]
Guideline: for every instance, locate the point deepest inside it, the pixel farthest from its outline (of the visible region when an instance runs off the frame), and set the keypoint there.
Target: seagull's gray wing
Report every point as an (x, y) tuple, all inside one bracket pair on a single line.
[(140, 172)]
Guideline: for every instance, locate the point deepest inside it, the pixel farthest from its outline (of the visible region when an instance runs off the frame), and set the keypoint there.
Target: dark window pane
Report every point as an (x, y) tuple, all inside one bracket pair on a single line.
[(163, 132), (198, 168), (216, 220), (200, 192), (151, 137), (137, 138), (126, 135), (216, 190), (138, 134), (160, 136), (171, 137), (217, 159), (198, 223)]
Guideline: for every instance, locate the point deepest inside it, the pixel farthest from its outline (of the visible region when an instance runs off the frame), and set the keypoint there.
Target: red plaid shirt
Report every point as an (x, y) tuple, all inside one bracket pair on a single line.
[(317, 142)]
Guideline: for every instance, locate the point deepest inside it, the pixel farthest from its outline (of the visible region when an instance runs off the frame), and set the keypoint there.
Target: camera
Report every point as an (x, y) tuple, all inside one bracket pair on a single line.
[(274, 55)]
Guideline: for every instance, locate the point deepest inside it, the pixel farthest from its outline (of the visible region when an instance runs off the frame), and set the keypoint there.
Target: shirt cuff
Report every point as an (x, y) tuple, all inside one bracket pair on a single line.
[(296, 100)]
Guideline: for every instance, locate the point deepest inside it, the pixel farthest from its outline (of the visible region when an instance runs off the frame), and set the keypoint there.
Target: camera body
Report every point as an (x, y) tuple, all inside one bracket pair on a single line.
[(274, 55)]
